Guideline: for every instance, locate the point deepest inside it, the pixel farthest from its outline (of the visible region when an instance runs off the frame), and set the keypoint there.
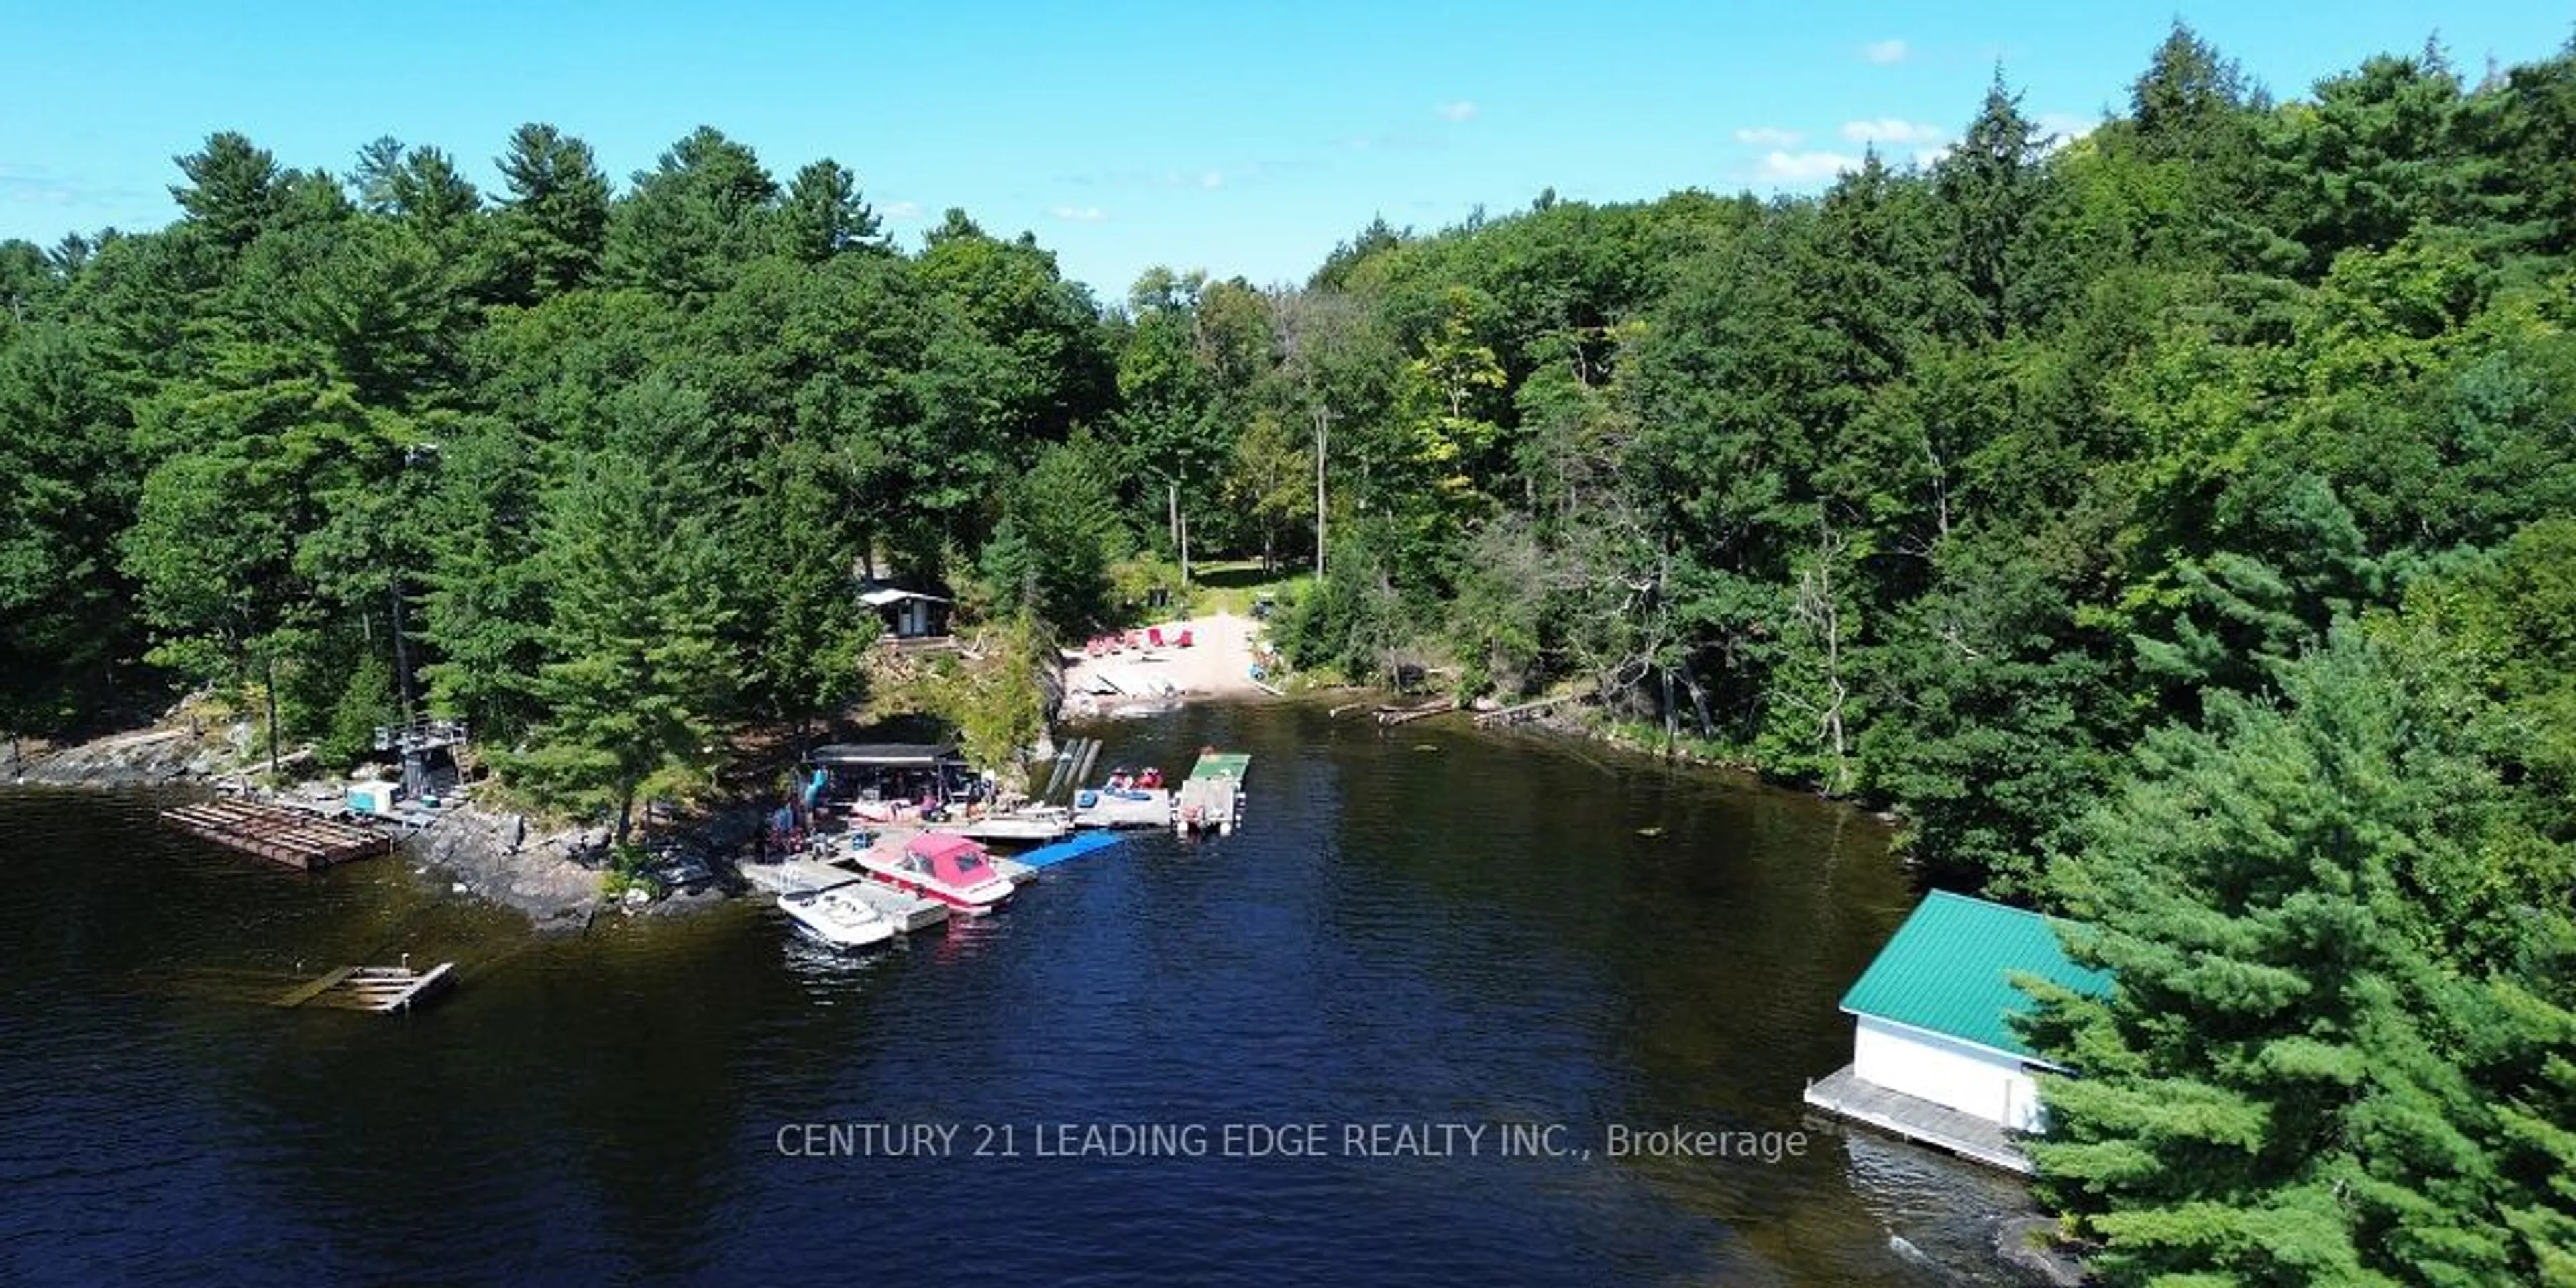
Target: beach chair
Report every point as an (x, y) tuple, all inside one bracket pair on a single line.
[(1154, 637), (1184, 640)]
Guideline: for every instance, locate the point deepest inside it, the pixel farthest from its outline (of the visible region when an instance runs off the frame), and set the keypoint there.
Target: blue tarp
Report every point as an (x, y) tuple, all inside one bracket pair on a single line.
[(1072, 847)]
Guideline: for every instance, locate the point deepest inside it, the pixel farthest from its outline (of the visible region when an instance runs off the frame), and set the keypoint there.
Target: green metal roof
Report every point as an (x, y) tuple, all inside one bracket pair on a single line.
[(1948, 970)]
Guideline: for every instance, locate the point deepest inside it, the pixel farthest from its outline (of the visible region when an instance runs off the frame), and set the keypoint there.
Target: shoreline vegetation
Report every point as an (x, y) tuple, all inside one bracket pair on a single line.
[(2174, 523)]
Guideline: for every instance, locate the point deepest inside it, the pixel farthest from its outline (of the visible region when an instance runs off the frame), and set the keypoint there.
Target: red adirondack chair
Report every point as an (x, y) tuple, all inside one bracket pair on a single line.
[(1184, 640)]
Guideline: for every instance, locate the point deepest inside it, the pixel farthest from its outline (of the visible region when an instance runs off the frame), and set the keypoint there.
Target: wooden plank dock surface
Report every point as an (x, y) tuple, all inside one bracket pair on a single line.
[(1843, 1093), (380, 989), (280, 835)]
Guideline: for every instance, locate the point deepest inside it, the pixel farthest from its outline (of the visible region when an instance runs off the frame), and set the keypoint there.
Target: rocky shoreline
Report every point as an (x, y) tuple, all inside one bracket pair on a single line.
[(482, 853)]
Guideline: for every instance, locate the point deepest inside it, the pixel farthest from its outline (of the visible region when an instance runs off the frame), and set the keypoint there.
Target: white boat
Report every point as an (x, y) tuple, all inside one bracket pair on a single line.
[(1128, 799), (837, 916), (1030, 823)]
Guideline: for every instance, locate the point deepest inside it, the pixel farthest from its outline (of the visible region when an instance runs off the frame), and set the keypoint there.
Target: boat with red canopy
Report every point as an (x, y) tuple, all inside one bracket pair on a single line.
[(942, 866)]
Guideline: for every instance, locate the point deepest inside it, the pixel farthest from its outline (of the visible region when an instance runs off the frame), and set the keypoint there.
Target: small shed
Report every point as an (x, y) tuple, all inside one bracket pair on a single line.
[(908, 614), (1934, 1055)]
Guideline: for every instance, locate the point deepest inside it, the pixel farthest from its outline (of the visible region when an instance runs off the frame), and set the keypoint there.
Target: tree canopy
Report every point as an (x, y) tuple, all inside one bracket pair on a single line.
[(2170, 524)]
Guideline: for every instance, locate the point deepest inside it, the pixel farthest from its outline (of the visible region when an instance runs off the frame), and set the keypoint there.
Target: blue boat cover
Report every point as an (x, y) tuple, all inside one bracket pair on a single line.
[(1071, 847)]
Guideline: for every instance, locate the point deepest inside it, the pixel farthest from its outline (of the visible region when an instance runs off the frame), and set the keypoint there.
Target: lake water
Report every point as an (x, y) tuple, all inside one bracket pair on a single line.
[(1425, 936)]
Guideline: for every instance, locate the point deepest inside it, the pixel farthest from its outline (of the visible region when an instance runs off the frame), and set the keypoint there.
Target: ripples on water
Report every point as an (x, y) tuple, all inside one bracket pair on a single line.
[(1475, 933)]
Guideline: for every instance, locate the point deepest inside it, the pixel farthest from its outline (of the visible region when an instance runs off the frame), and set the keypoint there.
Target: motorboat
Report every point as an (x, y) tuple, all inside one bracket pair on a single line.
[(943, 866), (1027, 824), (1127, 798), (837, 916)]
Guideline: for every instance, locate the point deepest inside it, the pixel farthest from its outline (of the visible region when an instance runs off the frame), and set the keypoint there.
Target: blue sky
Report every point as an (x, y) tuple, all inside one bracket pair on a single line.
[(1242, 139)]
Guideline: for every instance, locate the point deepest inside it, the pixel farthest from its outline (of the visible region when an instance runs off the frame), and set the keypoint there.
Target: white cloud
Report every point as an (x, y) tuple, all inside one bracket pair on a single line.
[(901, 210), (1888, 129), (1805, 167), (2066, 126), (1929, 157), (1458, 111), (1212, 179), (1885, 53), (1765, 136), (1081, 214)]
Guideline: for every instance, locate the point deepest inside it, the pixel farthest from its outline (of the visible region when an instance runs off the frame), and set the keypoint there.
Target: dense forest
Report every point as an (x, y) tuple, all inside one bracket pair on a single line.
[(2176, 526)]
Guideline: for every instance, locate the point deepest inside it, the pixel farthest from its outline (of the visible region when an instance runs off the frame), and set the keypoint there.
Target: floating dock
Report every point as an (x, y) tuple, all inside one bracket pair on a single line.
[(1074, 847), (381, 989), (1844, 1094), (1211, 798), (292, 837)]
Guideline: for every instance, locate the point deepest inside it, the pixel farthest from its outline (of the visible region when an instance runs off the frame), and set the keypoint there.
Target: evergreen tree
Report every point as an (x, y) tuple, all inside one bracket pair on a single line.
[(2293, 1082), (824, 215), (554, 223), (636, 676), (234, 190)]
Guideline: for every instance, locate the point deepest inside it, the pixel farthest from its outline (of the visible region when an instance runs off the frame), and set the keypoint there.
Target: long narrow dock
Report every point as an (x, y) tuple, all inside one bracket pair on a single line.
[(1939, 1126), (1211, 798), (281, 835), (1073, 847), (380, 989)]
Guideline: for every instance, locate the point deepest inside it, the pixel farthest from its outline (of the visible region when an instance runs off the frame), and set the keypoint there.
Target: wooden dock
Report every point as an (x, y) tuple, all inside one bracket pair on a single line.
[(292, 837), (1918, 1120), (380, 989)]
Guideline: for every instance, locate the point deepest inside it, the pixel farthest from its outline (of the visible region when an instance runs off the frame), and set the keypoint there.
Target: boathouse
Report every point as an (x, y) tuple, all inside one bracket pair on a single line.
[(1934, 1055), (874, 782)]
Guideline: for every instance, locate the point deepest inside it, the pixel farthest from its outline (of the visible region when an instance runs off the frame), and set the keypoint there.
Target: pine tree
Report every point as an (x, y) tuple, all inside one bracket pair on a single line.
[(2288, 1086), (637, 676)]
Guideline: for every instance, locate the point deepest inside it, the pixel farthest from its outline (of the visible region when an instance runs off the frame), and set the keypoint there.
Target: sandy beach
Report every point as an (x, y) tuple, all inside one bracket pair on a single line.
[(1217, 664)]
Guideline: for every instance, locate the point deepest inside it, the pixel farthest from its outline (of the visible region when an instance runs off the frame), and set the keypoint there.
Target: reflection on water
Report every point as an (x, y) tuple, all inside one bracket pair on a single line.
[(1496, 931)]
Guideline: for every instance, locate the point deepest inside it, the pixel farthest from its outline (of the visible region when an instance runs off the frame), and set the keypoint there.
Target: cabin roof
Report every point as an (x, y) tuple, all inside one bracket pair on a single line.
[(1949, 967), (889, 754), (884, 595)]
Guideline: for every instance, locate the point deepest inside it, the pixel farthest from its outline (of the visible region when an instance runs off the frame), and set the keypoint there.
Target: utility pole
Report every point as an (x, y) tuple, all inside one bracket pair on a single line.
[(1323, 433), (270, 671), (402, 656)]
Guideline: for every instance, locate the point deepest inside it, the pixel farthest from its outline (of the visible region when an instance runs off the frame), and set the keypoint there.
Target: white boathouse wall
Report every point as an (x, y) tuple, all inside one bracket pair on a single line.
[(1993, 1085)]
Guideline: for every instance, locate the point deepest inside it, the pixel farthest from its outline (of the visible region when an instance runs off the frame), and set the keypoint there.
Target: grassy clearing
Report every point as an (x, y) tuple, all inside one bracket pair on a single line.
[(1229, 586)]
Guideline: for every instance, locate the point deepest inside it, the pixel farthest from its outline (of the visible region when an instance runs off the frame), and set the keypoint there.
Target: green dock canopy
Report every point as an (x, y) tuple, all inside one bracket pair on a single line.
[(1949, 969), (1228, 764)]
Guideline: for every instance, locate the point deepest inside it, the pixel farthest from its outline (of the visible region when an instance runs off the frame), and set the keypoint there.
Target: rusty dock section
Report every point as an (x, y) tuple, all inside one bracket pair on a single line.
[(280, 835)]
